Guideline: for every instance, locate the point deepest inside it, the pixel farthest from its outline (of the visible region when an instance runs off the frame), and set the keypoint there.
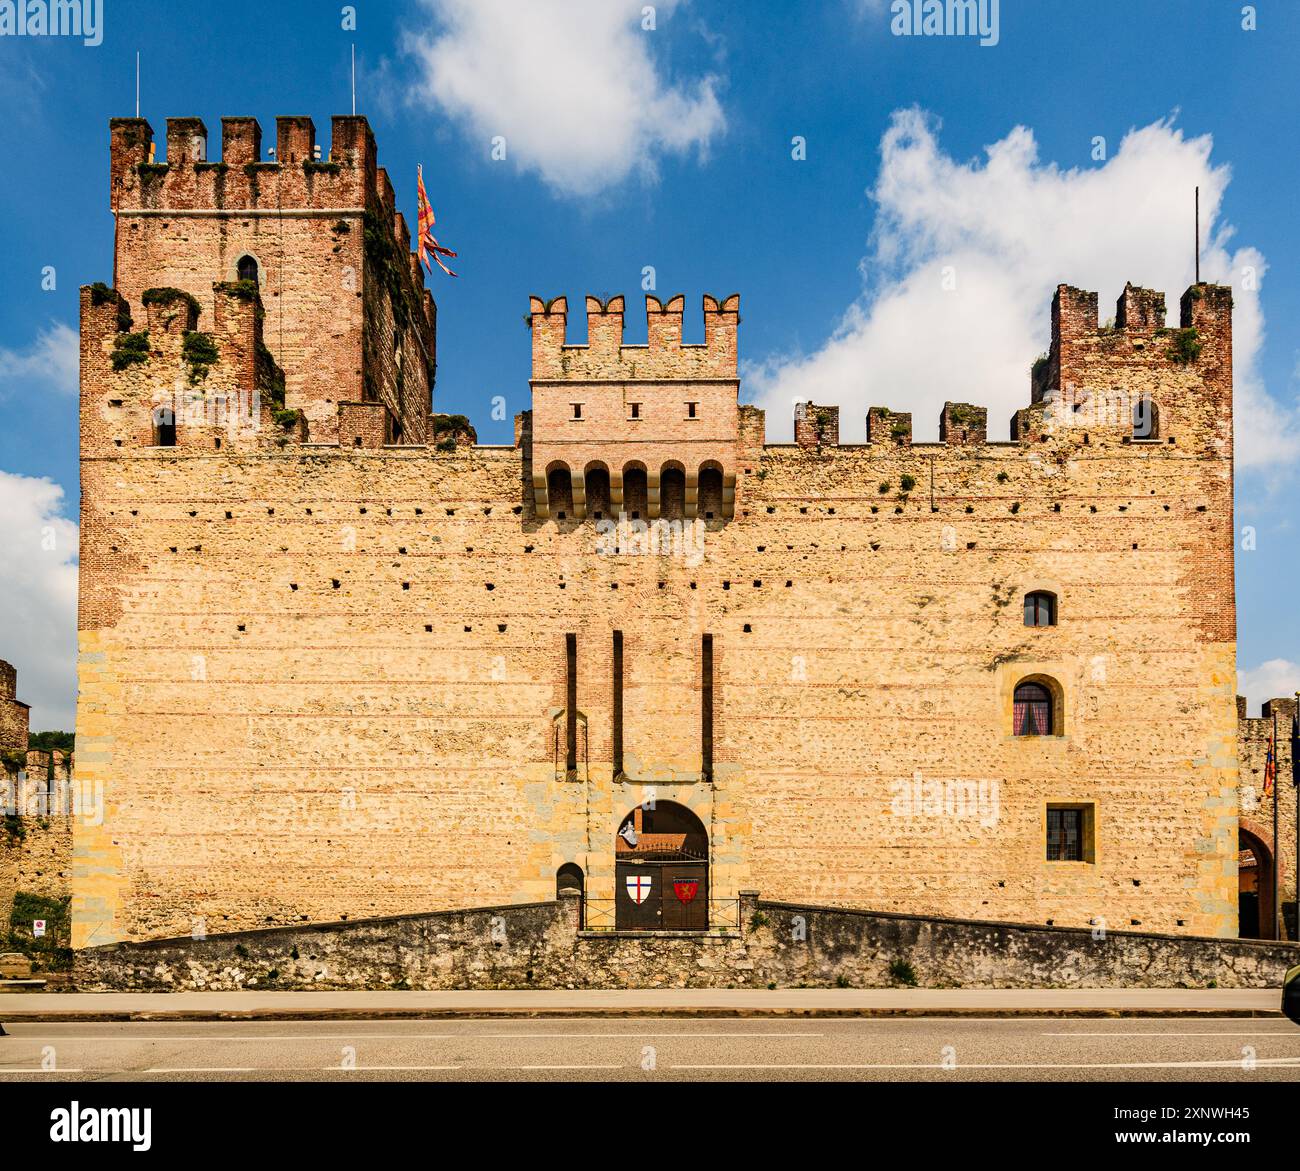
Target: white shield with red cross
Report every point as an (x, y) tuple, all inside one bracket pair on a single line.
[(638, 887)]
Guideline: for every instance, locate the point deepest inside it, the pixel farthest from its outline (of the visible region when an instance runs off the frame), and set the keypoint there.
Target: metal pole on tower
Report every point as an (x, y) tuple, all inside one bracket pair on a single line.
[(137, 83), (354, 81), (1198, 235)]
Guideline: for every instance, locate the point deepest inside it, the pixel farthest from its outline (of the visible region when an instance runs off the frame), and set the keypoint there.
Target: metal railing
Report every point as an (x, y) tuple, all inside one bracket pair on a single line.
[(602, 915)]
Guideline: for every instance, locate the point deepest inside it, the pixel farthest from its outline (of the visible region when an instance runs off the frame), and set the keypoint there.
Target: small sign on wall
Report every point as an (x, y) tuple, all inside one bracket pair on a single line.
[(38, 928)]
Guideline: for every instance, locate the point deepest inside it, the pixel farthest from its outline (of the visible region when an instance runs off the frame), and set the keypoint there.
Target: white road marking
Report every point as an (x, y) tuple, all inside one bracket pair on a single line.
[(541, 1067), (1278, 1062), (16, 1069), (376, 1068), (1291, 1033), (199, 1069)]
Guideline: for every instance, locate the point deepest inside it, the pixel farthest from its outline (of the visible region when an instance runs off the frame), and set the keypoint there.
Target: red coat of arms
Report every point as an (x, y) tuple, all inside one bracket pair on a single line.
[(686, 889)]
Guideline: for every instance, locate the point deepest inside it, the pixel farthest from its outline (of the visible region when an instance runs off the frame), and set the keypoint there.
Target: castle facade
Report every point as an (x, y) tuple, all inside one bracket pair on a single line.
[(337, 660)]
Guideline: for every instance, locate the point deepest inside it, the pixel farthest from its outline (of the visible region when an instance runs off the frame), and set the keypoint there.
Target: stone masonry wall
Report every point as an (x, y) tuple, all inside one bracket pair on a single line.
[(325, 681), (14, 715), (330, 682), (777, 945), (1256, 808)]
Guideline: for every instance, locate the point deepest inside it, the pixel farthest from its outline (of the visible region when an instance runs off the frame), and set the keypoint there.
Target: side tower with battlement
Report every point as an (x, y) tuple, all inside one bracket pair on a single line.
[(315, 235), (15, 716)]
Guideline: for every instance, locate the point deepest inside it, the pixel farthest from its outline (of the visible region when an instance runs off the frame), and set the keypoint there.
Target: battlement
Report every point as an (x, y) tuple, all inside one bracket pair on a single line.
[(14, 714), (351, 319), (606, 358), (163, 382), (1138, 342), (300, 177), (652, 429)]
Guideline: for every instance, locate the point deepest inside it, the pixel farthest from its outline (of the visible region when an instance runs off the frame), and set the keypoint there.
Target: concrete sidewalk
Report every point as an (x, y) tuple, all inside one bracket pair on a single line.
[(258, 1005)]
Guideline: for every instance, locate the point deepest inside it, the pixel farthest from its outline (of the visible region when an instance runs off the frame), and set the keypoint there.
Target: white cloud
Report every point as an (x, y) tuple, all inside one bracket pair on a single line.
[(572, 85), (1272, 679), (54, 359), (38, 582), (1012, 228)]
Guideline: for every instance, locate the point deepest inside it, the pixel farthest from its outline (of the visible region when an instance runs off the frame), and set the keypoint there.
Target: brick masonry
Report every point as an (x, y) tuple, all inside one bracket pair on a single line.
[(15, 716), (322, 673)]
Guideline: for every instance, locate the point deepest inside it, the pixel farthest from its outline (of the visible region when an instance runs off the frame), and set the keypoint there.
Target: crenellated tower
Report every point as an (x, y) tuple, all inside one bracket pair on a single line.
[(649, 430), (316, 235)]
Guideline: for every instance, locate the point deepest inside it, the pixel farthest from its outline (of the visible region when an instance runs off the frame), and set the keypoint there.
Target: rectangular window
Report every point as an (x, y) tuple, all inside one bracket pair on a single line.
[(635, 408), (577, 410), (691, 409), (1070, 833), (571, 702), (706, 706), (617, 750)]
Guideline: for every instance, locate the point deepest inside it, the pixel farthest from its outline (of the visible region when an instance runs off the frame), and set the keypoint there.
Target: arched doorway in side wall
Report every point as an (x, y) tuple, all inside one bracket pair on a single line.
[(661, 870), (1256, 909), (569, 879)]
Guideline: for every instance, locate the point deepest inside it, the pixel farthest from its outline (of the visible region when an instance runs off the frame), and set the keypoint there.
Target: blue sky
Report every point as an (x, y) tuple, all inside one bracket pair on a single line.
[(672, 148)]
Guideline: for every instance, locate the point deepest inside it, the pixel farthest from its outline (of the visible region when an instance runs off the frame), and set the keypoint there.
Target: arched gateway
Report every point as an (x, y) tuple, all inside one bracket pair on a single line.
[(661, 870)]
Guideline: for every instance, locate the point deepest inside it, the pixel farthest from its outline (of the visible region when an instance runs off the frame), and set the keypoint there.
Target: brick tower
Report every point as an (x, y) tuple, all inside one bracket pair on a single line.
[(342, 306)]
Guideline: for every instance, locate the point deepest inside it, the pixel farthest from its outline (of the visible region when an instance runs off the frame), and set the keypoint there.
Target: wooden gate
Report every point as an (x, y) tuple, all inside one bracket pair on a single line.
[(661, 870), (673, 895)]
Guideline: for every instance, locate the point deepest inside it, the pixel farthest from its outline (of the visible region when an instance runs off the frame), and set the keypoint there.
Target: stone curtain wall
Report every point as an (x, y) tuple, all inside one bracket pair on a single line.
[(539, 946), (327, 682), (1256, 809)]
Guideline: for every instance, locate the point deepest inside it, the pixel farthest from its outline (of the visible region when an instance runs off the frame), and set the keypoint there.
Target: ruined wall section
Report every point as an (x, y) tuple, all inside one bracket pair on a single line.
[(15, 715)]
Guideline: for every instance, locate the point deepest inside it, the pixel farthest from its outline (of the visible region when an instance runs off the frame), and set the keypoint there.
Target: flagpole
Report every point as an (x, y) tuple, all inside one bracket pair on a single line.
[(1277, 891)]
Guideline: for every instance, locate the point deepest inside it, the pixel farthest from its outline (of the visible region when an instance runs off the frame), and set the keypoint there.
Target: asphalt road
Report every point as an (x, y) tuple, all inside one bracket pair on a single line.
[(647, 1048)]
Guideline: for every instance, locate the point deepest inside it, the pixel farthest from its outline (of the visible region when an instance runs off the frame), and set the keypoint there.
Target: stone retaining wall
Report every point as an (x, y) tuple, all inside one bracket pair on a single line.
[(778, 945)]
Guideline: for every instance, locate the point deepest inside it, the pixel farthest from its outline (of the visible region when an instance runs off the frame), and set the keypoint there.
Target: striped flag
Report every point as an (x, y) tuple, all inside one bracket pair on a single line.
[(1270, 765), (428, 242)]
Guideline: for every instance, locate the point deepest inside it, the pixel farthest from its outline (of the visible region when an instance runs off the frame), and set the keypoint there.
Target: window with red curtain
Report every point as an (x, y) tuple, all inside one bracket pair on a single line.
[(1032, 714)]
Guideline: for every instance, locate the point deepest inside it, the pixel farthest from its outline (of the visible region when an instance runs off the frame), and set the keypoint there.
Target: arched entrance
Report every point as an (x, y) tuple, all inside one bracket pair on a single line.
[(661, 870), (570, 880), (1256, 908)]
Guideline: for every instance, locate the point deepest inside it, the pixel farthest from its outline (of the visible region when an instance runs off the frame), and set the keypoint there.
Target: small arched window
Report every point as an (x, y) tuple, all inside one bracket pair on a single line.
[(246, 269), (1033, 714), (164, 428), (1040, 609)]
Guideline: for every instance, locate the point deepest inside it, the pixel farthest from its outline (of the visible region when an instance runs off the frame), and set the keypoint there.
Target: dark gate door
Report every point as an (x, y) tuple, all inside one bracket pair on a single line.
[(1248, 915), (685, 895), (638, 889), (674, 896)]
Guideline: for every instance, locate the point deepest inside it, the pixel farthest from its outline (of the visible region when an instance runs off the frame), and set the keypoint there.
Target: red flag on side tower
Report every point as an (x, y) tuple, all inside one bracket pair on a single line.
[(428, 242)]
